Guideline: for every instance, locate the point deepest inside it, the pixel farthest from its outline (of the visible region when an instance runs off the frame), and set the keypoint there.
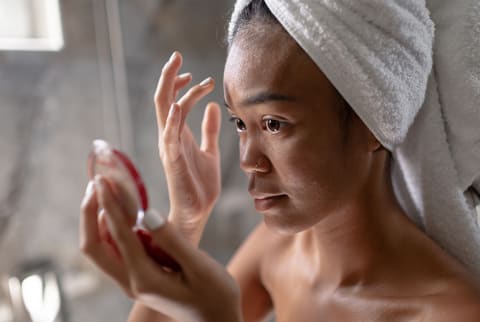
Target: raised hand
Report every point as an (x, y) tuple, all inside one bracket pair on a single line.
[(192, 171)]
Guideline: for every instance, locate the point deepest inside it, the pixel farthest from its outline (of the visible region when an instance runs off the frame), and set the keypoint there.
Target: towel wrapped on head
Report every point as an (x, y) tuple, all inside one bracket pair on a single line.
[(379, 55), (457, 62)]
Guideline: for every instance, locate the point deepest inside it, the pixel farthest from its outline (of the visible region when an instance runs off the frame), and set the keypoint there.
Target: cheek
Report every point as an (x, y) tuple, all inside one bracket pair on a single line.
[(310, 168)]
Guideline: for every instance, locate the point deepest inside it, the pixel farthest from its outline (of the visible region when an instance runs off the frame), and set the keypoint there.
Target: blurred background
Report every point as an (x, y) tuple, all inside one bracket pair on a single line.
[(73, 71)]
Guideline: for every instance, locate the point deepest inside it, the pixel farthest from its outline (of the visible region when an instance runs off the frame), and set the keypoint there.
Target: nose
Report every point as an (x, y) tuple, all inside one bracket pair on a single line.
[(252, 156)]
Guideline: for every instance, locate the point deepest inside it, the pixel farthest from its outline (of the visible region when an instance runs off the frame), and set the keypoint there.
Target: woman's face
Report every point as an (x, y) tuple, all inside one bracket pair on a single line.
[(300, 162)]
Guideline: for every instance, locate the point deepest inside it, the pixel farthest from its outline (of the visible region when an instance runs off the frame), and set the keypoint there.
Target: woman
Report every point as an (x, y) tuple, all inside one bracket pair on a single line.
[(334, 245)]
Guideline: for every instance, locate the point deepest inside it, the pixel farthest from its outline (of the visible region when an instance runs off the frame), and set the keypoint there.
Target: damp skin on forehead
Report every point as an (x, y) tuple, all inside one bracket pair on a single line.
[(264, 58)]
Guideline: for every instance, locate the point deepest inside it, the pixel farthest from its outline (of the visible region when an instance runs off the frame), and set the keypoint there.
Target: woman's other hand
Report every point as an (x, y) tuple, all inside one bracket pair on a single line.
[(201, 291), (192, 171)]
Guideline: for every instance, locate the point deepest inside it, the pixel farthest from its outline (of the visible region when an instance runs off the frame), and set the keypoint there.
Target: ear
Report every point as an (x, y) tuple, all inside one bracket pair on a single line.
[(368, 140)]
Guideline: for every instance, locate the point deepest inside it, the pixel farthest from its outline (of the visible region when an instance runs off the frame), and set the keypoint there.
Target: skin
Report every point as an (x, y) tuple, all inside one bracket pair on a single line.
[(334, 244)]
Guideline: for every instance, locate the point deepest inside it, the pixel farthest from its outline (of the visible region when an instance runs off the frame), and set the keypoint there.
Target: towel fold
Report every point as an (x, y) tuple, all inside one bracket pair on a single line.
[(457, 68), (427, 185), (379, 55)]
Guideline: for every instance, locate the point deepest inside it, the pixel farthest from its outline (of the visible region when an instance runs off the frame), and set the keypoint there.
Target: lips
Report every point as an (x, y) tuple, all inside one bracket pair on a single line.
[(264, 201), (265, 195)]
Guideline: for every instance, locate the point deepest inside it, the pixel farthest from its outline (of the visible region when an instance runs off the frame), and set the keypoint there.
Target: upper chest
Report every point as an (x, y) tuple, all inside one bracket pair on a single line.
[(298, 294)]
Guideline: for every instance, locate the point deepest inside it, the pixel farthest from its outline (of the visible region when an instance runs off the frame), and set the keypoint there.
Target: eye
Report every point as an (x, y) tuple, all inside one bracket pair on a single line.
[(273, 126), (239, 125)]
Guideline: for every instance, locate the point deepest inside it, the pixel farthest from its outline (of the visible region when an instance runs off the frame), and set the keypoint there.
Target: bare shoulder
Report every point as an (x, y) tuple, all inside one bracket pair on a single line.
[(460, 302), (261, 237), (246, 266), (255, 249)]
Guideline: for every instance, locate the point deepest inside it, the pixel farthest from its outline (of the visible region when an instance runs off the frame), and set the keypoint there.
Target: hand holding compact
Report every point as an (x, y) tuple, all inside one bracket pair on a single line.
[(192, 171), (201, 290)]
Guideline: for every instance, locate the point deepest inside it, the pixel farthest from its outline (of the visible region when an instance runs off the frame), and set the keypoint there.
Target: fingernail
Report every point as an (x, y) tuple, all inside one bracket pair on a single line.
[(173, 110), (172, 58), (206, 82), (153, 220), (89, 190), (185, 75)]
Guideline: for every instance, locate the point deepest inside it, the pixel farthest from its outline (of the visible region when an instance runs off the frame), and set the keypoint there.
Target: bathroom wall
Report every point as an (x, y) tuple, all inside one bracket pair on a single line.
[(52, 107)]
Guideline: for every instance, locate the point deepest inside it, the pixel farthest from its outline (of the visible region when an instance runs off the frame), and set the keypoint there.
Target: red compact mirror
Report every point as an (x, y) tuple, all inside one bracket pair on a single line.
[(117, 168)]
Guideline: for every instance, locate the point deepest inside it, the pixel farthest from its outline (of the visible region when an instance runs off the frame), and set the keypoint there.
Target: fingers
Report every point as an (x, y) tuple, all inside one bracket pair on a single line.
[(106, 237), (169, 140), (211, 128), (180, 82), (127, 196), (144, 275), (92, 242), (177, 171), (89, 232), (195, 94), (176, 168), (171, 134), (131, 249), (165, 92), (119, 226)]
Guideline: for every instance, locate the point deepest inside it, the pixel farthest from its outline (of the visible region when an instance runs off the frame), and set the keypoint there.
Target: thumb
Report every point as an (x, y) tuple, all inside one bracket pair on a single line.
[(198, 269), (166, 244)]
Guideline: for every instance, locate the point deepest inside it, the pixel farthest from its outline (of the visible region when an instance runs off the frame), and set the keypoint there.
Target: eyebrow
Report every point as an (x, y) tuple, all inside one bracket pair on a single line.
[(264, 97)]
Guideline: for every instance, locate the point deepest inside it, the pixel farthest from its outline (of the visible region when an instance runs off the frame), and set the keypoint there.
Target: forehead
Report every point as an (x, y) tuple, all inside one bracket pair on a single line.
[(265, 58), (261, 56)]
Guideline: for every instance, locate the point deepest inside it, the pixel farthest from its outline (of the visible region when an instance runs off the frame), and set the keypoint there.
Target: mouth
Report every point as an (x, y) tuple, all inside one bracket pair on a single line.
[(266, 202)]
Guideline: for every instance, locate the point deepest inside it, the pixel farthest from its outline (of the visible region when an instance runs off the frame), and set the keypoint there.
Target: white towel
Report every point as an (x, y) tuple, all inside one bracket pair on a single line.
[(427, 185), (457, 68), (437, 172), (379, 56)]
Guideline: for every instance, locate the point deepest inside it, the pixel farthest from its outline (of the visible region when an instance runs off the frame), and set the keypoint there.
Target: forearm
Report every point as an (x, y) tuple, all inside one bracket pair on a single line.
[(141, 313)]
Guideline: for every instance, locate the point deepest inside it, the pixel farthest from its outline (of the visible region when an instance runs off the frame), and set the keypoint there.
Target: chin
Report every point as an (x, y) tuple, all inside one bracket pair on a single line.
[(285, 223)]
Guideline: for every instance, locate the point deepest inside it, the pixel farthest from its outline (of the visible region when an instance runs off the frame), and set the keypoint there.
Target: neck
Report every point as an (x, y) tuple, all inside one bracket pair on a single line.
[(355, 243)]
